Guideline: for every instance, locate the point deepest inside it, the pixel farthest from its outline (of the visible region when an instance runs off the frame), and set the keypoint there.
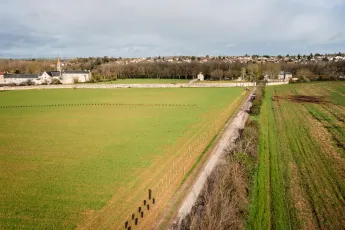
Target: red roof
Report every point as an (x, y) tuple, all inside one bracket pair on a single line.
[(2, 73)]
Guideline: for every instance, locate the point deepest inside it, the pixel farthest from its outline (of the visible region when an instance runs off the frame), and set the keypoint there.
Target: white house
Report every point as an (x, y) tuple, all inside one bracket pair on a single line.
[(70, 76), (2, 77), (44, 77), (284, 76), (201, 77), (19, 78), (48, 77)]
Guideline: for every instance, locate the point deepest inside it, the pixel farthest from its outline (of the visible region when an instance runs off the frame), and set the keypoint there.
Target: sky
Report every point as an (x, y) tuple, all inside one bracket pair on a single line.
[(139, 28)]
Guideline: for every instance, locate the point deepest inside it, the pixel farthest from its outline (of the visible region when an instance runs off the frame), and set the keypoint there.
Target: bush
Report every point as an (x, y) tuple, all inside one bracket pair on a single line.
[(45, 82), (55, 81), (255, 110), (30, 82), (11, 84), (92, 80), (305, 75), (75, 80), (96, 77), (259, 94), (27, 83)]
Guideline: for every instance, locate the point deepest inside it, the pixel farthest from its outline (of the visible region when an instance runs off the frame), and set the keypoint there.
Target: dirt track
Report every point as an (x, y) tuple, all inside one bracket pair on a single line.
[(230, 134)]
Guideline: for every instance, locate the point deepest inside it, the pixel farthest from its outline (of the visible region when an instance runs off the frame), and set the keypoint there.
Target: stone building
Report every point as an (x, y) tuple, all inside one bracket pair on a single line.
[(2, 78), (201, 77), (64, 76), (284, 76), (19, 78), (71, 76)]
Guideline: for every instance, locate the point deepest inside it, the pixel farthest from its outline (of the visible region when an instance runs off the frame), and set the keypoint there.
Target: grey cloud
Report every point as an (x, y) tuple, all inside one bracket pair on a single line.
[(336, 36), (153, 27)]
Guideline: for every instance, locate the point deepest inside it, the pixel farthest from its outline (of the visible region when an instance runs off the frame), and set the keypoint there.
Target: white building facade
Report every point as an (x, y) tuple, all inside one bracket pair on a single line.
[(64, 76), (19, 78), (73, 76), (201, 77), (2, 78), (284, 76)]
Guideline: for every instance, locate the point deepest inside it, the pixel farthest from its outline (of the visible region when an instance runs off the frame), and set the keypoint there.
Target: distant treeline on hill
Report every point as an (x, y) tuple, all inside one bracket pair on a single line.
[(218, 70), (104, 69)]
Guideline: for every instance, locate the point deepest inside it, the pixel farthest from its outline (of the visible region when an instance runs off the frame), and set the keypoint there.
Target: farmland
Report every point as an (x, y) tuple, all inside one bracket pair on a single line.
[(85, 158), (300, 183)]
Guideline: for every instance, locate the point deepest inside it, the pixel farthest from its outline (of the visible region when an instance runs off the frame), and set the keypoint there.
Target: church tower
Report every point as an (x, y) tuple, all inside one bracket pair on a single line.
[(58, 65)]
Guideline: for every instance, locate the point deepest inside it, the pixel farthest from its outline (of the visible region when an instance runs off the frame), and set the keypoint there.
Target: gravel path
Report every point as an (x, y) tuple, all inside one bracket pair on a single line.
[(230, 134)]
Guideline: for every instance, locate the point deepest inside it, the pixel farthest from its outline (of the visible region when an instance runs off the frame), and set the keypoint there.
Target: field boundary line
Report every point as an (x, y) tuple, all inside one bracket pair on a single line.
[(99, 104)]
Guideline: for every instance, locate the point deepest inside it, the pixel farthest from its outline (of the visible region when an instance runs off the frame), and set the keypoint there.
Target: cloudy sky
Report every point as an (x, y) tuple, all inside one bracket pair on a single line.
[(135, 28)]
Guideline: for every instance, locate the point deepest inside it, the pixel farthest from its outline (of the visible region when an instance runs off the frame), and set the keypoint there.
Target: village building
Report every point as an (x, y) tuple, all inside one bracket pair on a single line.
[(64, 76), (71, 76), (19, 78), (47, 77), (201, 77), (2, 78), (284, 76)]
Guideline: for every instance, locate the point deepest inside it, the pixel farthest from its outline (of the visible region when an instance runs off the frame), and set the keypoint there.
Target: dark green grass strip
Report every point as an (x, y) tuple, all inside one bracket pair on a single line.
[(270, 208)]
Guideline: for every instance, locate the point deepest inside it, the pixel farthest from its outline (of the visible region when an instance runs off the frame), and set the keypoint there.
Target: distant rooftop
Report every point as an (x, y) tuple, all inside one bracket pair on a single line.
[(21, 75), (75, 71)]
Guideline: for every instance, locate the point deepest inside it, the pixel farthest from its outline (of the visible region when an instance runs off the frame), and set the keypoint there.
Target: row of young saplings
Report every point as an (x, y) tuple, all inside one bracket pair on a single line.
[(98, 104), (135, 218)]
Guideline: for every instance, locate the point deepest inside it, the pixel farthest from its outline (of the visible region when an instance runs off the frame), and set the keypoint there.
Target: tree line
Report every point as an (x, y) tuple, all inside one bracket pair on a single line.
[(104, 69), (218, 70)]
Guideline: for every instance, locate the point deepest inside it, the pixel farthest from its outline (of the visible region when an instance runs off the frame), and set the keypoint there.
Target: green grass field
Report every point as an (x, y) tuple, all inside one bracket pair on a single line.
[(300, 182), (147, 81), (71, 165)]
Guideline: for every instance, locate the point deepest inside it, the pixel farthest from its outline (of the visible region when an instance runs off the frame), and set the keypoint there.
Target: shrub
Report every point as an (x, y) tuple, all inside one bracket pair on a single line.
[(305, 75), (92, 80), (11, 84), (30, 82), (259, 94), (45, 82), (75, 80), (255, 110), (55, 81)]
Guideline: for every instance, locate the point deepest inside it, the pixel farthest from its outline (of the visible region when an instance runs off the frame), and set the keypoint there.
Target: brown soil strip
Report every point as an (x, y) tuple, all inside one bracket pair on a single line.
[(301, 98), (300, 201), (325, 140)]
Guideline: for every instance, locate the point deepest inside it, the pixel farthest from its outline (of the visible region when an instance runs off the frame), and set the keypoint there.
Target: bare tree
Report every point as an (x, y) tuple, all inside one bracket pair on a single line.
[(217, 74), (271, 70)]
